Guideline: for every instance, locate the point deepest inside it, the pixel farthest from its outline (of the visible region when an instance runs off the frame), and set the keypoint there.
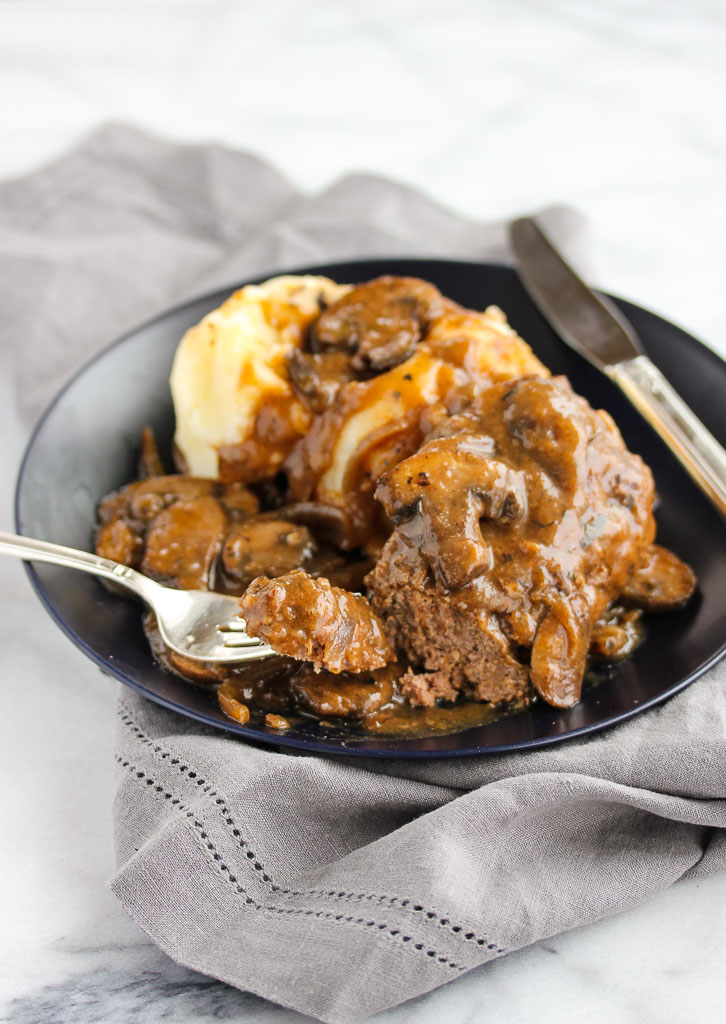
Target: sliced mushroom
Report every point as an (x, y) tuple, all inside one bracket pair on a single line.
[(617, 633), (201, 672), (147, 498), (559, 651), (343, 696), (238, 500), (381, 322), (545, 427), (150, 463), (662, 583), (318, 377), (439, 496), (183, 542), (265, 547), (325, 520)]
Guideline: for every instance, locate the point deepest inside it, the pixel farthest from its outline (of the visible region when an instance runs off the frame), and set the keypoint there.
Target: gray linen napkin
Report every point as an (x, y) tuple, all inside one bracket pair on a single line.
[(333, 886)]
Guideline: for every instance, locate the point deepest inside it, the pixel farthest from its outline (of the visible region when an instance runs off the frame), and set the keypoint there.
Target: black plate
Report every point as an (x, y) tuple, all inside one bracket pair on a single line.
[(86, 444)]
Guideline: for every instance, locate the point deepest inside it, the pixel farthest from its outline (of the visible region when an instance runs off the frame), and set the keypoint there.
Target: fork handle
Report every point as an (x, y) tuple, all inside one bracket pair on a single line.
[(693, 445), (72, 558)]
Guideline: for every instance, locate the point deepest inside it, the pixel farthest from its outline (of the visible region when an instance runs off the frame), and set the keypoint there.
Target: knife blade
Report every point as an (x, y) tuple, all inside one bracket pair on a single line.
[(588, 322), (595, 328)]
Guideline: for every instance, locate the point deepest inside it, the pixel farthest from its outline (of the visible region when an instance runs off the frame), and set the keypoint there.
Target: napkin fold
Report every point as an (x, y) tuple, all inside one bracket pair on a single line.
[(334, 886)]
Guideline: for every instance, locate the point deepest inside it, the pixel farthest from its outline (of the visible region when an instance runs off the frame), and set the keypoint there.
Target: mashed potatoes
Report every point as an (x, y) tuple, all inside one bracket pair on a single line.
[(374, 368), (232, 364)]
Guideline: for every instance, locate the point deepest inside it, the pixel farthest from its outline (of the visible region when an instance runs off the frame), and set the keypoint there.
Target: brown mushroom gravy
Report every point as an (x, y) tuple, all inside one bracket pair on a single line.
[(456, 535)]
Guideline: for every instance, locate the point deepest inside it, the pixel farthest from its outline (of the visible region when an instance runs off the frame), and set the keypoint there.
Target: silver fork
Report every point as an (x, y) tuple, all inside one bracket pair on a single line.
[(196, 623)]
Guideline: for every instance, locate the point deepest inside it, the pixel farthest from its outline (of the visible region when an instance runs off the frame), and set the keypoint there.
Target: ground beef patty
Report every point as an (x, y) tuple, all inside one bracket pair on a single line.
[(451, 653), (516, 524)]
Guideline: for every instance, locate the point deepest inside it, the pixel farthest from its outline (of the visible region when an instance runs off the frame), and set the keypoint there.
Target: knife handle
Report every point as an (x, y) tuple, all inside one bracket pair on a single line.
[(696, 448)]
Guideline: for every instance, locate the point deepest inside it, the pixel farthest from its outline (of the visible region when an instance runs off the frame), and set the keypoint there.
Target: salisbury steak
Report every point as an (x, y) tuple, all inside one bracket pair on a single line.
[(516, 525)]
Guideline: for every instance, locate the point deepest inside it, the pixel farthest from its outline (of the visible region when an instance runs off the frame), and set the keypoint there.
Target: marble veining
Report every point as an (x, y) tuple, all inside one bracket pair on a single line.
[(492, 107)]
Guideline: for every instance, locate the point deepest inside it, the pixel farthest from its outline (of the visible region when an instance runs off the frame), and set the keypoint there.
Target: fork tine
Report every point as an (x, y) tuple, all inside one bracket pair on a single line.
[(236, 636), (233, 626), (240, 655), (241, 641)]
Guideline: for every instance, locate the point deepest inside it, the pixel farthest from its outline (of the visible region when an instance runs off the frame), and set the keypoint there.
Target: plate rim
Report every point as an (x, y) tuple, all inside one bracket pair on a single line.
[(314, 745)]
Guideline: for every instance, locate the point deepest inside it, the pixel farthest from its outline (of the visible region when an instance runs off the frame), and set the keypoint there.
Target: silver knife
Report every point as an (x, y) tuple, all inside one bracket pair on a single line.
[(595, 328)]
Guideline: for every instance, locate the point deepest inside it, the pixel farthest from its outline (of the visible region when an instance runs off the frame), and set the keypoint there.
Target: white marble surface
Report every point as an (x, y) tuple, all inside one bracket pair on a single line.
[(492, 107)]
